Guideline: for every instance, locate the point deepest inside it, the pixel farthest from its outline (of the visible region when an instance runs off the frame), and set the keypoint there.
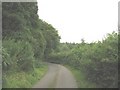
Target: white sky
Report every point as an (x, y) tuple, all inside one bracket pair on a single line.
[(77, 19)]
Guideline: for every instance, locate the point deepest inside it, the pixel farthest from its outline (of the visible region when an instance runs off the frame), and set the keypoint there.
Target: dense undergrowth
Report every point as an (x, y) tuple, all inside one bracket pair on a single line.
[(97, 60), (23, 79), (26, 43), (81, 78)]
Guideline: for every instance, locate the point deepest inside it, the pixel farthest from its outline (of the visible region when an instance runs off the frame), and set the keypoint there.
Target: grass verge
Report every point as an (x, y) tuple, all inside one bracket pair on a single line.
[(80, 77), (23, 79)]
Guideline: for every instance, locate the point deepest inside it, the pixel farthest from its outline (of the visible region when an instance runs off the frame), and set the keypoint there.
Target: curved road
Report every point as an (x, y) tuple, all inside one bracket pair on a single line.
[(57, 77)]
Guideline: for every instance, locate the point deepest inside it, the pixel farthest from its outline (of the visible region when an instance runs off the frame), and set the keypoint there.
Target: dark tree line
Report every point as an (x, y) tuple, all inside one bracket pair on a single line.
[(27, 40)]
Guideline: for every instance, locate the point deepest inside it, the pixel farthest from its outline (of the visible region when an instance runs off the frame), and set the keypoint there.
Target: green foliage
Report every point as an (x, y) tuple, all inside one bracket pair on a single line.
[(25, 37), (81, 78), (98, 60), (52, 39), (27, 40), (18, 16), (24, 80), (15, 54)]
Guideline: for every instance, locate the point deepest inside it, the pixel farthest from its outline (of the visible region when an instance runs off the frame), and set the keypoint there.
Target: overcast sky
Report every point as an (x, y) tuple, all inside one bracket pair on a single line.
[(77, 19)]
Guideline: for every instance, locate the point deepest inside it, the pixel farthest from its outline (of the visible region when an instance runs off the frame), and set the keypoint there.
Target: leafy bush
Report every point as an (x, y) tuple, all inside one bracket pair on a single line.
[(27, 40), (17, 55), (98, 60)]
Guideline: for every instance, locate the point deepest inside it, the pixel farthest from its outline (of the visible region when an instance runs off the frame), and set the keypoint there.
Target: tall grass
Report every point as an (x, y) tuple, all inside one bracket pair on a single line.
[(23, 79), (81, 78)]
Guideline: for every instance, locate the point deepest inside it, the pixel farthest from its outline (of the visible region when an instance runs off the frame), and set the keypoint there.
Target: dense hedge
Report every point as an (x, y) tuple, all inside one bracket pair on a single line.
[(99, 60), (26, 39)]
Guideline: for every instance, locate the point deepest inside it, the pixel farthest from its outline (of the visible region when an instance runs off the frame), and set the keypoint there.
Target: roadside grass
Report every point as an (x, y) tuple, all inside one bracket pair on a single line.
[(23, 79), (81, 78)]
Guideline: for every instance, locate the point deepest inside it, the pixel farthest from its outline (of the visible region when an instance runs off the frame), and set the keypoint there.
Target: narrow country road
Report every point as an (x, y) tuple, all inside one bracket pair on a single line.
[(57, 77)]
